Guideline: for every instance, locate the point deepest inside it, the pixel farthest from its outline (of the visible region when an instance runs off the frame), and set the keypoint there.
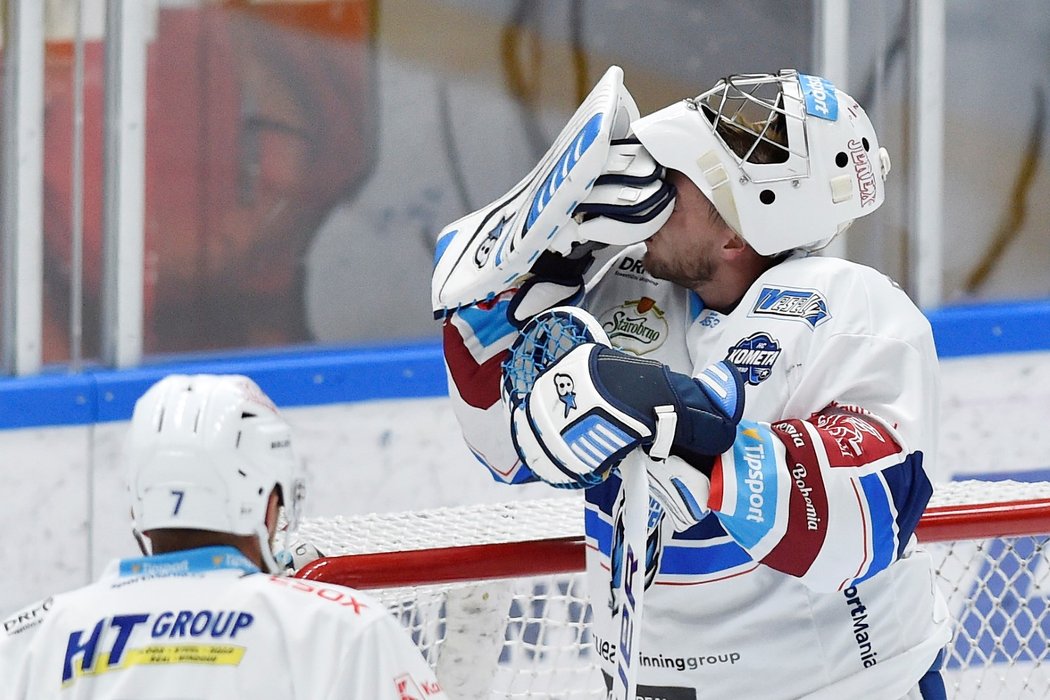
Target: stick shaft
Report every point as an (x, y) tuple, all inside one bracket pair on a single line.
[(635, 529)]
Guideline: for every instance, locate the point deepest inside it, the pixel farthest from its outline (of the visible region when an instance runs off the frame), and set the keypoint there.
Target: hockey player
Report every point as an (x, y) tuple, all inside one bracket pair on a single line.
[(205, 612), (784, 495)]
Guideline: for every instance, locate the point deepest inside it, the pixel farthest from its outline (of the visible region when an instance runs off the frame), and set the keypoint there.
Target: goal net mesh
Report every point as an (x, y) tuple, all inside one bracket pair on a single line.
[(495, 596)]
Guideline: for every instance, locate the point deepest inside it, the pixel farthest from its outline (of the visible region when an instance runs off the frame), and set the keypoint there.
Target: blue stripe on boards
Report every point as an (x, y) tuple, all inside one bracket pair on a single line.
[(290, 378), (317, 375), (987, 329)]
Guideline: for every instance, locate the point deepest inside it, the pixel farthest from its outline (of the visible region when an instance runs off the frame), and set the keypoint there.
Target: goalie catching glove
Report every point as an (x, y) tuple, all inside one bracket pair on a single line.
[(586, 411)]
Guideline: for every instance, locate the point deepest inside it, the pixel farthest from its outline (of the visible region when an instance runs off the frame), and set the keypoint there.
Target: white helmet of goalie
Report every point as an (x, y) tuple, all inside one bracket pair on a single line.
[(204, 452), (787, 159)]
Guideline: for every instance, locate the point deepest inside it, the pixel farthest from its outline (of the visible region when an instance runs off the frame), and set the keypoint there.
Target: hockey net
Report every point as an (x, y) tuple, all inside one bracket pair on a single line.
[(502, 616)]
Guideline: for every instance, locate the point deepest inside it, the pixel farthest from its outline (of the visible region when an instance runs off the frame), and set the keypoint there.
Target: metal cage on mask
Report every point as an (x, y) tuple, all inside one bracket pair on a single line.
[(788, 160)]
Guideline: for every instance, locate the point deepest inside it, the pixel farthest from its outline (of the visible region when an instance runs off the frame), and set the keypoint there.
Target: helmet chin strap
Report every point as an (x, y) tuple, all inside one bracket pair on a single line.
[(273, 539), (266, 550), (143, 541)]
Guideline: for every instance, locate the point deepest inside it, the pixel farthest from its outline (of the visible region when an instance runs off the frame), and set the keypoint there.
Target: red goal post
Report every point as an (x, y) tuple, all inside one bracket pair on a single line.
[(494, 594)]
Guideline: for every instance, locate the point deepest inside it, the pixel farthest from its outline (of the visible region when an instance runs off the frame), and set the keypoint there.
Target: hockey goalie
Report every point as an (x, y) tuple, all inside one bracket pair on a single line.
[(655, 289)]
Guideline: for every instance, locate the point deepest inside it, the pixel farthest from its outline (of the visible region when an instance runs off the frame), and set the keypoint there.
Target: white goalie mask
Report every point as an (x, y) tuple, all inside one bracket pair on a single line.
[(787, 159), (204, 452)]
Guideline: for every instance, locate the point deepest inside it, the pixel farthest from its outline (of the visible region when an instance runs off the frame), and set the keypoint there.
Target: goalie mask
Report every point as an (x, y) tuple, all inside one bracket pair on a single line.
[(788, 160), (204, 452)]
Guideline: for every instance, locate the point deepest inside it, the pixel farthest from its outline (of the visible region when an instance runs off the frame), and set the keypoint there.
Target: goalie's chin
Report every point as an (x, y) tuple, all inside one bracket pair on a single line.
[(662, 267)]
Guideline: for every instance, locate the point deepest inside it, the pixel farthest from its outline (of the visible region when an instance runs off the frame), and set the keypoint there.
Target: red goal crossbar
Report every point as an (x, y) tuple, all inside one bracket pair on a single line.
[(450, 564)]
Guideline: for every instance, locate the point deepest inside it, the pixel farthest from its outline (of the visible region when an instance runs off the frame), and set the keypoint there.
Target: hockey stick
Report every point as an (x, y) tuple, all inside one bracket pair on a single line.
[(541, 343), (632, 585)]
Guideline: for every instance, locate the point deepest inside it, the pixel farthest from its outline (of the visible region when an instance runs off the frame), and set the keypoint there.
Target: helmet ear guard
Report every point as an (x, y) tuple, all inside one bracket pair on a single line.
[(787, 159), (205, 452)]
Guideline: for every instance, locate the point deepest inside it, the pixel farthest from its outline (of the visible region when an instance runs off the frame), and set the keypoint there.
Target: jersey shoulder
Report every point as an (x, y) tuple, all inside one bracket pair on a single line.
[(833, 274), (840, 295), (307, 598), (23, 622)]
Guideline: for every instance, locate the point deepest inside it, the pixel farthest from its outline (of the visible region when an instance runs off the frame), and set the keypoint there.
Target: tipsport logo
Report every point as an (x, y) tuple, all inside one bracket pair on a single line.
[(804, 305), (106, 646), (820, 96)]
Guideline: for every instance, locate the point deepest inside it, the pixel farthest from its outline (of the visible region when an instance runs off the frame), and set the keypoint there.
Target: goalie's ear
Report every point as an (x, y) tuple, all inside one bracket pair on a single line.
[(487, 251)]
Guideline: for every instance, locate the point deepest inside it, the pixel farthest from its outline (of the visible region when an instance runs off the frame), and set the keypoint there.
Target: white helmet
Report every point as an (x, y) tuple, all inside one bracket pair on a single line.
[(204, 452), (828, 167)]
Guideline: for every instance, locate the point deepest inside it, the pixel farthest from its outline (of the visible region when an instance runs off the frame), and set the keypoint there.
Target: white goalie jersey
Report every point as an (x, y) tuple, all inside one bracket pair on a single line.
[(805, 579), (206, 623)]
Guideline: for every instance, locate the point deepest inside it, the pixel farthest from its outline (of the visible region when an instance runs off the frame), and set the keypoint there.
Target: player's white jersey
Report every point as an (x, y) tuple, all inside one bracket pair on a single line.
[(805, 580), (206, 623)]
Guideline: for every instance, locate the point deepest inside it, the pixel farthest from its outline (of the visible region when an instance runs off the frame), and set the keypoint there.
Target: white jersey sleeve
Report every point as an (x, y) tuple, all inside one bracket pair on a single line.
[(476, 341)]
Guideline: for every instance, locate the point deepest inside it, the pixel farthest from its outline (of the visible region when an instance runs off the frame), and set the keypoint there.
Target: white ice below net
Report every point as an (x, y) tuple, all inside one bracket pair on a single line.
[(529, 637)]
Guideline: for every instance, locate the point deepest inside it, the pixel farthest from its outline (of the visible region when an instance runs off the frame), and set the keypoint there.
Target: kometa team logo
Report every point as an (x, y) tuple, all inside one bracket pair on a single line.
[(754, 357)]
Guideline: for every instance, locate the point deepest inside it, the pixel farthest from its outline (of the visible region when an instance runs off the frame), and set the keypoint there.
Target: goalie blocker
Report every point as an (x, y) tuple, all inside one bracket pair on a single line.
[(596, 184)]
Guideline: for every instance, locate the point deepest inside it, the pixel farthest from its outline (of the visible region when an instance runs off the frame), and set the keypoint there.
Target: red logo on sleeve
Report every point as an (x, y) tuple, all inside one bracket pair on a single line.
[(852, 437)]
